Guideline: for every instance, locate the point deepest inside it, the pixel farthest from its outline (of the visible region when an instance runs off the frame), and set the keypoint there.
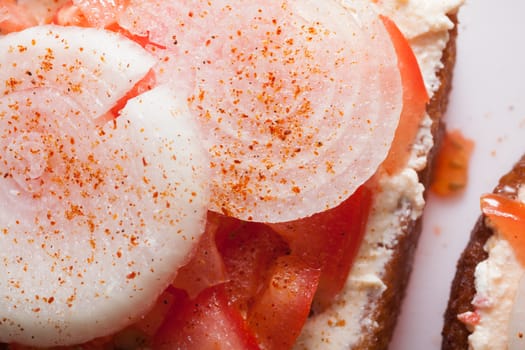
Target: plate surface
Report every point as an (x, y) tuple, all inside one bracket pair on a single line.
[(488, 105)]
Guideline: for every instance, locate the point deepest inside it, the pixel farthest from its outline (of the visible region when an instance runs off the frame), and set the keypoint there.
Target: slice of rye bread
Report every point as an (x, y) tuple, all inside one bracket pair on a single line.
[(385, 310), (455, 333)]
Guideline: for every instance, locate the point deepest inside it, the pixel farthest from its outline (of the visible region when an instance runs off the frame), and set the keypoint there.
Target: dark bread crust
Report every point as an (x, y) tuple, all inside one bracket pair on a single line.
[(397, 272), (463, 289)]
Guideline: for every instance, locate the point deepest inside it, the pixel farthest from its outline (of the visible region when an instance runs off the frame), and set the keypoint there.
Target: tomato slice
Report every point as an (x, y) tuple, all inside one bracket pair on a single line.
[(70, 15), (281, 309), (208, 322), (14, 18), (508, 217), (248, 253), (330, 241), (415, 99), (98, 13), (101, 13), (206, 267)]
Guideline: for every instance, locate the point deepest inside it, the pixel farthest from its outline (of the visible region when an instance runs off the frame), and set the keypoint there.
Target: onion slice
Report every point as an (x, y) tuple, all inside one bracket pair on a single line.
[(94, 219), (298, 99), (95, 67)]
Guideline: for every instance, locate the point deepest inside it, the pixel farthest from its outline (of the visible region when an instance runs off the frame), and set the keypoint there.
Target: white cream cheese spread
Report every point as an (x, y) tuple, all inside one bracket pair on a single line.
[(496, 279), (426, 25)]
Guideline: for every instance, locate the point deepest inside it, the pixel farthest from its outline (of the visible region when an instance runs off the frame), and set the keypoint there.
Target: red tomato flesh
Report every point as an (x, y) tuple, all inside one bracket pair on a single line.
[(70, 15), (415, 99), (508, 217), (282, 307), (248, 253), (16, 17), (207, 322), (330, 241)]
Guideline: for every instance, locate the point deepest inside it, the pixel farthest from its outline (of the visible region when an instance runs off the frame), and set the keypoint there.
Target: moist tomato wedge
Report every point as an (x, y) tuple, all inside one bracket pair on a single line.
[(98, 14), (70, 15), (415, 99), (330, 241), (207, 322), (248, 252), (14, 18), (508, 217), (282, 307)]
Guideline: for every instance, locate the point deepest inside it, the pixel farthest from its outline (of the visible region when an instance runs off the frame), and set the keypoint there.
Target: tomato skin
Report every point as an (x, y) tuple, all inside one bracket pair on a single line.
[(508, 217), (281, 309), (17, 17), (330, 241), (207, 322), (415, 98)]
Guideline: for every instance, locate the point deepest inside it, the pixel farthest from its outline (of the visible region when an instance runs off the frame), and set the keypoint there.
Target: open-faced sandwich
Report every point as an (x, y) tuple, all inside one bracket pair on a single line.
[(485, 309), (198, 174)]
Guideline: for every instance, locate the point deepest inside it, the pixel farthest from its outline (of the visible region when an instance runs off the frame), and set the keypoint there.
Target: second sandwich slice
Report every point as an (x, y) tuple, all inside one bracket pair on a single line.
[(485, 309)]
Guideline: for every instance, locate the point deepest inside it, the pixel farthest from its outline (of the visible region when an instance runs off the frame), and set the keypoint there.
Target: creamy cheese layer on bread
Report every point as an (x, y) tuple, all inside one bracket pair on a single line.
[(496, 279), (426, 25)]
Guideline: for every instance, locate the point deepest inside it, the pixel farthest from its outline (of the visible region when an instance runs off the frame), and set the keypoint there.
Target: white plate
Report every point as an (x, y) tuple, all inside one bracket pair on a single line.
[(488, 105)]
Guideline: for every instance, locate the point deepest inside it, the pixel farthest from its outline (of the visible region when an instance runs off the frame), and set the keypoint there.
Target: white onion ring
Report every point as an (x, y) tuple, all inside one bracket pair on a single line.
[(95, 219)]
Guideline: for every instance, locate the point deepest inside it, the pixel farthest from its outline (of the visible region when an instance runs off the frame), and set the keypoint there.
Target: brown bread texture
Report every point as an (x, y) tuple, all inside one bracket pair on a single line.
[(455, 334), (386, 309)]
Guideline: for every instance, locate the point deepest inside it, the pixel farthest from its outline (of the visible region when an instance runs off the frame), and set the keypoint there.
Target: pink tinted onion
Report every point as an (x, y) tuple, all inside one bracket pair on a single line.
[(298, 100)]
